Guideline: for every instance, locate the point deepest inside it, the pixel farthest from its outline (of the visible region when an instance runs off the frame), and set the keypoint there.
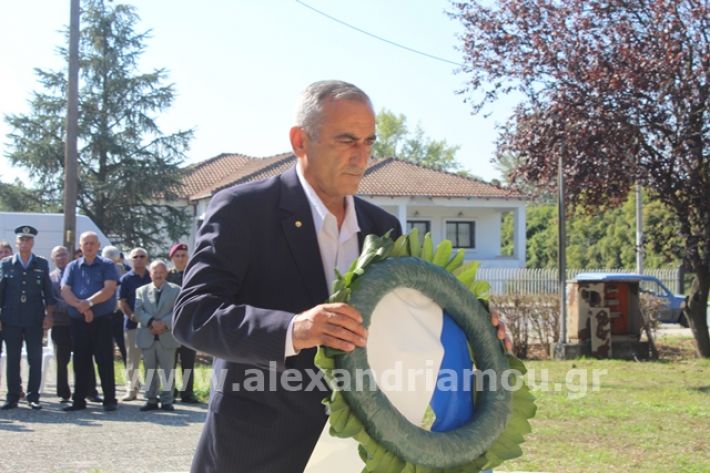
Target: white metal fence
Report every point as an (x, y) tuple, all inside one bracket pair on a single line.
[(545, 281)]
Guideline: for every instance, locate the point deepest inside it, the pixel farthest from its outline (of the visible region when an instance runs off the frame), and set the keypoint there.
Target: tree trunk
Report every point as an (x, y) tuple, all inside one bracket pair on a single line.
[(696, 313)]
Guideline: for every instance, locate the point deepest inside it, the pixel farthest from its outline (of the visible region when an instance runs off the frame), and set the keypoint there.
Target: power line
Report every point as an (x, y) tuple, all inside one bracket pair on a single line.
[(380, 38)]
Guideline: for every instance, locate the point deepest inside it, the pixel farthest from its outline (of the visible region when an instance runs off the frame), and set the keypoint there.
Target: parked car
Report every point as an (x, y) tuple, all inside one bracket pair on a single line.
[(671, 312)]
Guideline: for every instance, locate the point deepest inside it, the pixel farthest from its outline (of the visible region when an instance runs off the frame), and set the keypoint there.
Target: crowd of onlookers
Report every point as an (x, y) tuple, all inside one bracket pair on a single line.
[(95, 305)]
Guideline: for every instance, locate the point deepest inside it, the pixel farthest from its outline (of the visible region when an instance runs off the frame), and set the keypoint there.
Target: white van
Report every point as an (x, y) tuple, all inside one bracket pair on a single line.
[(50, 228)]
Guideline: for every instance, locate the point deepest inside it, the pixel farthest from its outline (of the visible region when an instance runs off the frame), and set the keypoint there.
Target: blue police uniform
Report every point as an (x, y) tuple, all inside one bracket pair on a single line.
[(25, 292)]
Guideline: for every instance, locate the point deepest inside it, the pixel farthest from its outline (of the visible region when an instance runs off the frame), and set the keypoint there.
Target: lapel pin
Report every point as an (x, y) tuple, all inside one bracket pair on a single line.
[(298, 224)]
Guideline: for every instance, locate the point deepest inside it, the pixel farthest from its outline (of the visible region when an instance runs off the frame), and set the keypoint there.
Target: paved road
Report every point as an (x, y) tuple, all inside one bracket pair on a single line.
[(126, 440)]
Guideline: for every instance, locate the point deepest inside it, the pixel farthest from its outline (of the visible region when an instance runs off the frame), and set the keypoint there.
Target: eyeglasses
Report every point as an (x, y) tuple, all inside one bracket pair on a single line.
[(138, 256)]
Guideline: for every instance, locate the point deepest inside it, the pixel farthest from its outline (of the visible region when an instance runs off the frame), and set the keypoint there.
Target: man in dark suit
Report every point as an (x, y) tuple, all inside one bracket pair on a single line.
[(185, 355), (254, 289)]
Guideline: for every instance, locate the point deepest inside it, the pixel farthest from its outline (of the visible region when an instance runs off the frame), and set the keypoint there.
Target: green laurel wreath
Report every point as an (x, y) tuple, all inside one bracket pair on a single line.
[(345, 423)]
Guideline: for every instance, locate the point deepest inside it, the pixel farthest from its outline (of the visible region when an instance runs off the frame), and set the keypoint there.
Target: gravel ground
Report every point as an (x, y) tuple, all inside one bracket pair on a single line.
[(93, 441)]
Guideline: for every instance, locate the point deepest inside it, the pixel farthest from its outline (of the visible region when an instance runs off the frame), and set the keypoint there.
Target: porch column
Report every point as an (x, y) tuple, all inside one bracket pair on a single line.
[(402, 215), (519, 237)]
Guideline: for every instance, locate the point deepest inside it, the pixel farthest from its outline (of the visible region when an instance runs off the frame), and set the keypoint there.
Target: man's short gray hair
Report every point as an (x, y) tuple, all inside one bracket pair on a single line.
[(137, 250), (87, 234), (156, 263), (309, 109), (112, 253), (57, 249)]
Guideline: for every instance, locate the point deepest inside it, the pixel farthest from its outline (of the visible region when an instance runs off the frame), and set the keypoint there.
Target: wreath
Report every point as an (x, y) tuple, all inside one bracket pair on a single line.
[(388, 442)]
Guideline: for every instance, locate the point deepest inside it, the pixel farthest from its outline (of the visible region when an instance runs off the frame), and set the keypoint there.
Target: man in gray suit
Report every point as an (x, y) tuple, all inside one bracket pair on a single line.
[(154, 312)]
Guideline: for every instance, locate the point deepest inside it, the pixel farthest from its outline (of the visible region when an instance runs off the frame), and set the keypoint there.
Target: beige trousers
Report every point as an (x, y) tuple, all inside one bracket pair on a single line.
[(133, 362)]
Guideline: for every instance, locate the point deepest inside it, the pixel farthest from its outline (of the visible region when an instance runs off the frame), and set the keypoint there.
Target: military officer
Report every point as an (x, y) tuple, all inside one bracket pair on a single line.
[(26, 308)]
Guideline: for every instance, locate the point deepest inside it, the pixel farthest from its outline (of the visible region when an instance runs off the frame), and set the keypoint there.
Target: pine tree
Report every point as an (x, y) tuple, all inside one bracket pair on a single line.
[(128, 167)]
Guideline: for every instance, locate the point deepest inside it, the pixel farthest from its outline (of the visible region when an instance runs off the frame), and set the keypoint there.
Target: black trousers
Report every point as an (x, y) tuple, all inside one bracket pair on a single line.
[(61, 338), (117, 333), (186, 356), (62, 341), (93, 339), (32, 336)]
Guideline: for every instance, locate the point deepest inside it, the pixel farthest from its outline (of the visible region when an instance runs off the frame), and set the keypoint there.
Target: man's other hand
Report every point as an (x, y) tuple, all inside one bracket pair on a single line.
[(501, 331)]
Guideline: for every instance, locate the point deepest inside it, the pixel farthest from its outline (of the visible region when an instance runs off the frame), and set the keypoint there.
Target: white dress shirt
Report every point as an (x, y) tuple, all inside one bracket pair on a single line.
[(338, 247)]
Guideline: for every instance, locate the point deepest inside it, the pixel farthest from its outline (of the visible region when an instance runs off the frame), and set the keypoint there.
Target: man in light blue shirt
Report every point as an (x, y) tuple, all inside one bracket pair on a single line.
[(89, 287)]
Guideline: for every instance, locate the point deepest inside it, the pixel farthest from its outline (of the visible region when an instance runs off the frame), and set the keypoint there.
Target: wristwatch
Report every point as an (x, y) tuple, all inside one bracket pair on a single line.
[(91, 303)]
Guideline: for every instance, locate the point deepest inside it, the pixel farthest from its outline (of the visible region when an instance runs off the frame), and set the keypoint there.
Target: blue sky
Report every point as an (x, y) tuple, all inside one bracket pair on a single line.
[(238, 66)]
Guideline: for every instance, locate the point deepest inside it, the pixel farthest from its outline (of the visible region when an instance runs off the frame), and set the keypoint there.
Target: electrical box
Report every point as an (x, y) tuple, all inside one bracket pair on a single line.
[(604, 320)]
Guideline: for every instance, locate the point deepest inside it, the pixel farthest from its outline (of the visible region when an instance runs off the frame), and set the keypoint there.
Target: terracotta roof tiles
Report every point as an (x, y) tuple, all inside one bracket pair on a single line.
[(384, 177)]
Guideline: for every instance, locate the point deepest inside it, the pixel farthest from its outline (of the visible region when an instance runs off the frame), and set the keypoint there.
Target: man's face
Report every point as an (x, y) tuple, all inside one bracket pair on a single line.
[(5, 252), (334, 162), (89, 245), (60, 258), (158, 275), (24, 244), (179, 259), (139, 260)]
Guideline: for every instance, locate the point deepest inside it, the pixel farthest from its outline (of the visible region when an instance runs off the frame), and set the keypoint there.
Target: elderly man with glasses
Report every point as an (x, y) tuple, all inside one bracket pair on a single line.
[(132, 280)]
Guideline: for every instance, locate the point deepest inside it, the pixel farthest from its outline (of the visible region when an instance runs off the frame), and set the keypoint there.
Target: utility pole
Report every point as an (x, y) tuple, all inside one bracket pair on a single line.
[(639, 229), (561, 253), (70, 147)]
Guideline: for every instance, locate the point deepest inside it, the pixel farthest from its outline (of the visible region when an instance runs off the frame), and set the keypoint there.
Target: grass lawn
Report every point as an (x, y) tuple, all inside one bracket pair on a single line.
[(202, 377), (646, 416)]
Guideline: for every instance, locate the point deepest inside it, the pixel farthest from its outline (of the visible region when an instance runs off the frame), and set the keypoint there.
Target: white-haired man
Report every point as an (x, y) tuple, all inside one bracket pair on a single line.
[(154, 312), (88, 287)]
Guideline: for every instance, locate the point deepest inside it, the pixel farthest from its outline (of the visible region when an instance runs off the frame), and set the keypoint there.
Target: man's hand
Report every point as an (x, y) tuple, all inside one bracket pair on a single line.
[(159, 327), (47, 323), (335, 325), (501, 333), (88, 316), (83, 306)]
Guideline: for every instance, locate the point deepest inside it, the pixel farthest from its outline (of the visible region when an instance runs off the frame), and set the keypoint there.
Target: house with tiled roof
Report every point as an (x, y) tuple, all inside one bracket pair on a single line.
[(466, 210)]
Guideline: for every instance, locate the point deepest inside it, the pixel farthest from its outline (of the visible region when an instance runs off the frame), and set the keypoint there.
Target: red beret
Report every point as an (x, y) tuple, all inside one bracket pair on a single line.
[(176, 247)]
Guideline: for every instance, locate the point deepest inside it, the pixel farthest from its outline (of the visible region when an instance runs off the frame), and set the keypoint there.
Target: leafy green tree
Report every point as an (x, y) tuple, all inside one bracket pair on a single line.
[(603, 240), (391, 133), (395, 139), (18, 198), (127, 165), (541, 236)]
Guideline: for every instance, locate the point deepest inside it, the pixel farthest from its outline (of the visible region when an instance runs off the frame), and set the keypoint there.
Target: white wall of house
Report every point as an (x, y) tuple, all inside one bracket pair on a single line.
[(486, 215)]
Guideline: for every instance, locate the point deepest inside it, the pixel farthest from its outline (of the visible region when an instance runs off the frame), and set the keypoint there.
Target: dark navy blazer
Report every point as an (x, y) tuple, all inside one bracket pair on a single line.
[(257, 263)]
